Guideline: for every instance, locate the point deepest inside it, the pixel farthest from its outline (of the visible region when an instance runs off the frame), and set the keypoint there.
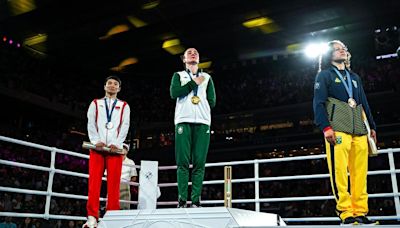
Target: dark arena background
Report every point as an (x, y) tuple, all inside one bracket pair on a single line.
[(262, 56)]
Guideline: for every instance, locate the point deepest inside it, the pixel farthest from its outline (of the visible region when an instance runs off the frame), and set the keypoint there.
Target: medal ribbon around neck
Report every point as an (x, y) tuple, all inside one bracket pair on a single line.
[(348, 86), (197, 75), (108, 113)]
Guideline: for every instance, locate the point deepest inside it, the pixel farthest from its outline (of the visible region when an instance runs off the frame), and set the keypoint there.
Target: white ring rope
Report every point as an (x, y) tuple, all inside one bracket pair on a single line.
[(49, 193)]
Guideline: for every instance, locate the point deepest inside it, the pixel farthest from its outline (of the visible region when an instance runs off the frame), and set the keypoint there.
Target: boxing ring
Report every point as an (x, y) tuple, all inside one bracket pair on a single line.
[(52, 170)]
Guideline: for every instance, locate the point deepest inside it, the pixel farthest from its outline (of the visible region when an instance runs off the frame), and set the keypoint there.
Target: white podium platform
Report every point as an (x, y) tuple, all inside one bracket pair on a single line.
[(205, 217)]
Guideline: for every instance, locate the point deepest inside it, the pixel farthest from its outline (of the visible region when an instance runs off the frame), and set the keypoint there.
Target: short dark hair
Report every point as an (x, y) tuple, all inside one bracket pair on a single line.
[(116, 78)]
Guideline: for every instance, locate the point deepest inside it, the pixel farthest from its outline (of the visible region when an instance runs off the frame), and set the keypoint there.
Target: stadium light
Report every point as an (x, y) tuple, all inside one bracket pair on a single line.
[(316, 49), (257, 22), (173, 46)]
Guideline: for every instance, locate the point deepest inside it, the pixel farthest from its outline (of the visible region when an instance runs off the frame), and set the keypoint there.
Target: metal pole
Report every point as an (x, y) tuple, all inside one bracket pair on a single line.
[(50, 184), (228, 186), (395, 188), (257, 185)]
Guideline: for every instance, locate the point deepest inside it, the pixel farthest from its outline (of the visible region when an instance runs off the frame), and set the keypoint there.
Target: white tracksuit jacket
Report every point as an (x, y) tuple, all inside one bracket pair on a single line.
[(97, 119)]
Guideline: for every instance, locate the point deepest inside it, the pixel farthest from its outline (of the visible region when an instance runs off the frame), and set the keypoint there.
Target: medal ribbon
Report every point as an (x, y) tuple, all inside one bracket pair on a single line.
[(108, 111), (197, 87), (348, 86)]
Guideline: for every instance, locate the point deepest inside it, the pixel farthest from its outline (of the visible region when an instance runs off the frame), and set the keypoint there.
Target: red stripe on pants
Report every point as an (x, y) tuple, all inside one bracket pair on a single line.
[(97, 163)]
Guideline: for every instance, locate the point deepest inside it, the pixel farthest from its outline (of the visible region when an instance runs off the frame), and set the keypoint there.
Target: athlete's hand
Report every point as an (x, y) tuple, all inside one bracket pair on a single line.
[(100, 145), (373, 135), (198, 80), (330, 136), (113, 148)]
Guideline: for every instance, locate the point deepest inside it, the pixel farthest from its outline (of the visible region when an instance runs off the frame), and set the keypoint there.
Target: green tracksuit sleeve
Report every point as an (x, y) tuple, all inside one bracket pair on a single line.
[(211, 96), (177, 90)]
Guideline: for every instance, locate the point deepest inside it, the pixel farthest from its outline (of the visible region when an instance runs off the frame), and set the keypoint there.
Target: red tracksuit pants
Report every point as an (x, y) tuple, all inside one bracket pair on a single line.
[(97, 163)]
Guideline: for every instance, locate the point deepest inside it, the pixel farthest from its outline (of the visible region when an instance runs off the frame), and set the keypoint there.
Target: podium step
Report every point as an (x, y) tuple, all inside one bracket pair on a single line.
[(211, 217)]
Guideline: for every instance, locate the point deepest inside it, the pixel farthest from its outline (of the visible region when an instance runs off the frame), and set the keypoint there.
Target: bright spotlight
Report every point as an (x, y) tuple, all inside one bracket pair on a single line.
[(314, 50), (398, 52)]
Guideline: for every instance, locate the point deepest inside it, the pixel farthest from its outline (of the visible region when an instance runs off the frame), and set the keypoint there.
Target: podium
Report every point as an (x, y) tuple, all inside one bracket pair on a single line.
[(204, 217)]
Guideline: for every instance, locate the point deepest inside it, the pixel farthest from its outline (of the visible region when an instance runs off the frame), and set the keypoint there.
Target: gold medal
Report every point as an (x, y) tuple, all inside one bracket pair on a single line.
[(352, 103), (195, 100)]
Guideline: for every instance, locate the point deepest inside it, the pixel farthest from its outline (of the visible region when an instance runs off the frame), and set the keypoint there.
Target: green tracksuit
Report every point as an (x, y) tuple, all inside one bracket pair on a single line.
[(192, 129)]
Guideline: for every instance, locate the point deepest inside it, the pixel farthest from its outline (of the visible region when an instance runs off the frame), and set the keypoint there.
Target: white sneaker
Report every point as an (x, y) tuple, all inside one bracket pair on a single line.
[(90, 223)]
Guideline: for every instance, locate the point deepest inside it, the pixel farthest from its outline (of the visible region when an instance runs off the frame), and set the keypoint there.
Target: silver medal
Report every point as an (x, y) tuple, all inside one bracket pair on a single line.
[(109, 125)]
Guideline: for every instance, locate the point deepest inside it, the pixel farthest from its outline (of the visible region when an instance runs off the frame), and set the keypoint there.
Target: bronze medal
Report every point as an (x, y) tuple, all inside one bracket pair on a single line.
[(352, 103)]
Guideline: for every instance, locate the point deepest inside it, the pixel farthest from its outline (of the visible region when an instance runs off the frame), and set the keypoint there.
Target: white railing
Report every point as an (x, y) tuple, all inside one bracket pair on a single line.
[(256, 180)]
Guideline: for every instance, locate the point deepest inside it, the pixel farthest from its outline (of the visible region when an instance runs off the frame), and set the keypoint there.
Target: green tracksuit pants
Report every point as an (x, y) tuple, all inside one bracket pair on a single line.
[(191, 145)]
